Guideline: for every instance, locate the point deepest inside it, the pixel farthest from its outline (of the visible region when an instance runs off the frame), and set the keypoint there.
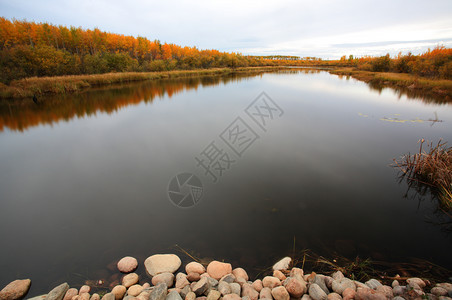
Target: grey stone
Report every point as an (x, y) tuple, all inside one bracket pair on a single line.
[(174, 295), (248, 290), (320, 281), (398, 298), (201, 286), (41, 297), (159, 292), (439, 291), (224, 288), (283, 264), (58, 292), (229, 278), (161, 263), (108, 296), (399, 290), (339, 286), (316, 292), (235, 288), (373, 284), (190, 296), (185, 291), (337, 275), (213, 295)]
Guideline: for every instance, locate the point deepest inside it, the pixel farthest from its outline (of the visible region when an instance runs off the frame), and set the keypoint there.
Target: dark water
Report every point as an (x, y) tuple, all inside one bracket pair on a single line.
[(84, 178)]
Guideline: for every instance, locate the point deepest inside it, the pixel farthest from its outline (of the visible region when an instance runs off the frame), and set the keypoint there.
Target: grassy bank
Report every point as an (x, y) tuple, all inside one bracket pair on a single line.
[(28, 87), (429, 86)]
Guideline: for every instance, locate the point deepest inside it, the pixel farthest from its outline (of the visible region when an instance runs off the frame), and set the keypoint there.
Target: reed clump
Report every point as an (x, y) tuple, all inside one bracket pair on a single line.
[(431, 167)]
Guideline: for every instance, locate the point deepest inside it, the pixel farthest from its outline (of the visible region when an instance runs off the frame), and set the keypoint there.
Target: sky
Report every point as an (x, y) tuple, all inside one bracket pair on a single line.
[(322, 28)]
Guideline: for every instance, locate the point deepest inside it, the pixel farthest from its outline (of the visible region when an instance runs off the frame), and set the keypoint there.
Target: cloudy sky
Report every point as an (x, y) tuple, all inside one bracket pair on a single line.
[(322, 28)]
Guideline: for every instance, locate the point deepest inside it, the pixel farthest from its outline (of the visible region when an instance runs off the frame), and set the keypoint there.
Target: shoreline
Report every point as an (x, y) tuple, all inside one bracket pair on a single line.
[(168, 279), (27, 87), (428, 86)]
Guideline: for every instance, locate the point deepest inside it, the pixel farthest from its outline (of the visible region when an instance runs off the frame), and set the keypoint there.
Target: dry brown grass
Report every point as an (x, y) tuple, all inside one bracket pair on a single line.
[(431, 167), (28, 87)]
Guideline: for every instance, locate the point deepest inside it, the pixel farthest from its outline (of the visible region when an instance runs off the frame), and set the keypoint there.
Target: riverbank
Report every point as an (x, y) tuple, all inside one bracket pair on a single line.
[(428, 86), (28, 87), (218, 280)]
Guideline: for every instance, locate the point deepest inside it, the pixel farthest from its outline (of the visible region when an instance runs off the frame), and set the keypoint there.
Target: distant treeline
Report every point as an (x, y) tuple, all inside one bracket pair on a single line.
[(30, 49), (433, 63)]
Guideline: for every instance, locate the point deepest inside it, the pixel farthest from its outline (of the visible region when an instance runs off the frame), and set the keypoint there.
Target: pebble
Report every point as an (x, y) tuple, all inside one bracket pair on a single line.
[(192, 276), (127, 264), (257, 285), (439, 291), (399, 290), (130, 279), (265, 293), (373, 284), (213, 295), (280, 293), (395, 283), (84, 296), (181, 280), (320, 281), (337, 275), (249, 291), (162, 263), (135, 290), (348, 294), (218, 269), (235, 288), (417, 281), (190, 296), (159, 292), (95, 296), (84, 289), (329, 282), (340, 285), (174, 295), (70, 293), (278, 274), (334, 296), (167, 278), (271, 282), (296, 272), (306, 297), (369, 294), (295, 287), (109, 296), (58, 292), (224, 288), (240, 273), (201, 286), (316, 292), (119, 291), (146, 285), (283, 264), (232, 297), (229, 278), (386, 290), (195, 267)]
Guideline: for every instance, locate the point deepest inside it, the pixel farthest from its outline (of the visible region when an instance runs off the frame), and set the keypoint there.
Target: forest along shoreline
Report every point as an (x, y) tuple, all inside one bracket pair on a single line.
[(218, 280), (29, 87)]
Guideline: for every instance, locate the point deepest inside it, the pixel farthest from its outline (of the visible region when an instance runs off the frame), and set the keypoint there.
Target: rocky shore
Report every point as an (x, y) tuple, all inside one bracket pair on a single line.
[(219, 281)]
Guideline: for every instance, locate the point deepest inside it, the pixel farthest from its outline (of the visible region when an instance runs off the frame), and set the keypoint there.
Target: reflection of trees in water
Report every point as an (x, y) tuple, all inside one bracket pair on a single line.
[(19, 115)]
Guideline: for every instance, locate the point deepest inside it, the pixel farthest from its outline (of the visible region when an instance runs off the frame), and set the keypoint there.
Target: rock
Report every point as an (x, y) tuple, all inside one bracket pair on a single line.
[(278, 274), (280, 293), (417, 281), (41, 297), (181, 281), (283, 264), (240, 273), (70, 293), (84, 296), (130, 279), (127, 264), (373, 284), (316, 292), (395, 283), (296, 272), (235, 288), (212, 282), (398, 298), (232, 297), (439, 291), (271, 282), (249, 291), (224, 288), (95, 296), (201, 286), (84, 289), (218, 269), (135, 290), (257, 285), (337, 275), (328, 282), (213, 295), (295, 287), (266, 293), (399, 290), (58, 292), (334, 296), (386, 290), (229, 278), (348, 294), (109, 296), (306, 297), (15, 289), (193, 276), (167, 278), (240, 281), (184, 292), (195, 267), (159, 292), (339, 286), (146, 285), (360, 285), (190, 296), (162, 263), (445, 285), (119, 291), (368, 294), (320, 281), (173, 296)]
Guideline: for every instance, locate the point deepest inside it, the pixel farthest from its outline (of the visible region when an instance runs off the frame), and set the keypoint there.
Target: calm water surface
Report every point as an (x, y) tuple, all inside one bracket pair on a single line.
[(84, 178)]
